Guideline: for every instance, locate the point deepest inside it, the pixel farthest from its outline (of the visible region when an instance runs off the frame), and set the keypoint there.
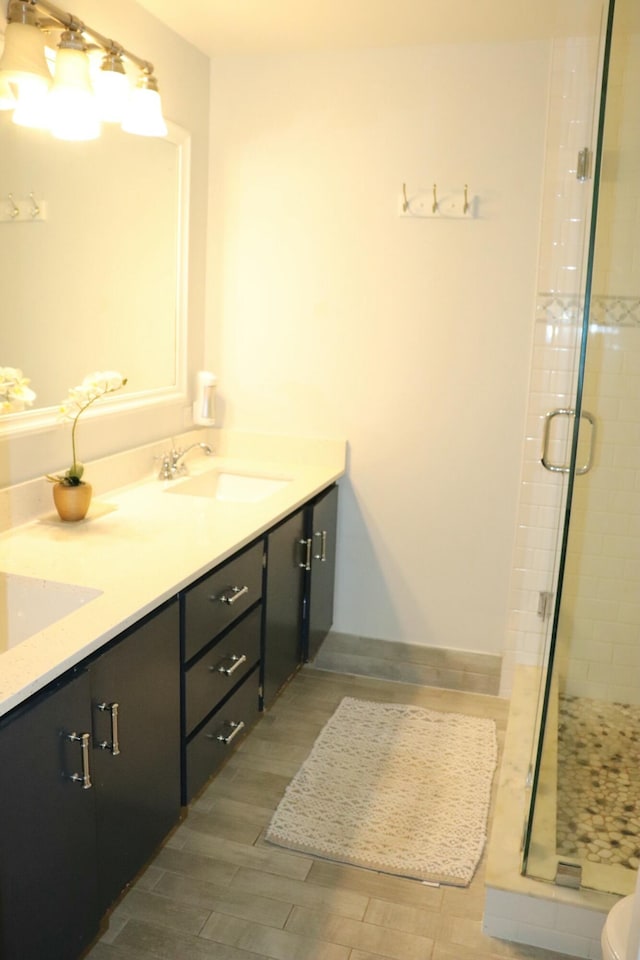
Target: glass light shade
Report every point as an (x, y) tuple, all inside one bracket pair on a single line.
[(144, 113), (72, 107), (111, 88), (23, 56), (7, 98), (32, 108)]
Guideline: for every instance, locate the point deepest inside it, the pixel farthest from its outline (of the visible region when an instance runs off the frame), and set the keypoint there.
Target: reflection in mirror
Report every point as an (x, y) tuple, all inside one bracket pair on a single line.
[(94, 280)]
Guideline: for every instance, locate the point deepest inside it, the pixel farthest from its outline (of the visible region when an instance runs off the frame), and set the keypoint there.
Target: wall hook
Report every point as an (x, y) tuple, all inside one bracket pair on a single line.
[(465, 208), (405, 202), (15, 209), (35, 209), (434, 208)]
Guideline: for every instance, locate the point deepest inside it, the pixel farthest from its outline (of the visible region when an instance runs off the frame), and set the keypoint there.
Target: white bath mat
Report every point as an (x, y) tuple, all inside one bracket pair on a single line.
[(393, 788)]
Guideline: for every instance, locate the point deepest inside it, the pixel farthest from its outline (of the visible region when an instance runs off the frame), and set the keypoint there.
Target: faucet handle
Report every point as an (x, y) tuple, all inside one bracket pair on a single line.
[(166, 471)]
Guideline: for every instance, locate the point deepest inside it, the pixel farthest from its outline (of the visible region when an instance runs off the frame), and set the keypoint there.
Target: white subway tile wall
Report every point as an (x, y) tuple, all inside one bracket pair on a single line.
[(600, 625), (565, 219)]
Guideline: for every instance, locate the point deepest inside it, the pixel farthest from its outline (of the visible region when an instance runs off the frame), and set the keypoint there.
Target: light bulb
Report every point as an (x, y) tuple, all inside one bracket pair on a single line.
[(144, 111), (72, 107), (111, 88), (32, 106)]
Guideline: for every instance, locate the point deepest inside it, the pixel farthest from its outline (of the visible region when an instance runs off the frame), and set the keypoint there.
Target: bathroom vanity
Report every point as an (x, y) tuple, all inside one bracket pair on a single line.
[(98, 761)]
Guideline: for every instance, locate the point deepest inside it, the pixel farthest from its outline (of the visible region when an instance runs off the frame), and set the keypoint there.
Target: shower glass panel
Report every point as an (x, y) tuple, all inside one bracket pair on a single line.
[(585, 818)]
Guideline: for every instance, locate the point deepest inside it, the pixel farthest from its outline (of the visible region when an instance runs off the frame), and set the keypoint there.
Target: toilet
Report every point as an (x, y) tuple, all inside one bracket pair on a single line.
[(615, 933)]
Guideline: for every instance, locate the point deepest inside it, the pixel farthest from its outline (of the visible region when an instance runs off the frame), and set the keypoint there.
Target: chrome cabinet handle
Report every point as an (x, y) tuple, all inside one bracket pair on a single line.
[(83, 778), (114, 746), (562, 467), (230, 595), (322, 556), (306, 563), (235, 730), (237, 662)]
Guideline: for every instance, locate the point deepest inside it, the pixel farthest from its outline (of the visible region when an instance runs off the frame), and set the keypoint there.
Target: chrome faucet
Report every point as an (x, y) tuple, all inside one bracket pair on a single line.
[(172, 467)]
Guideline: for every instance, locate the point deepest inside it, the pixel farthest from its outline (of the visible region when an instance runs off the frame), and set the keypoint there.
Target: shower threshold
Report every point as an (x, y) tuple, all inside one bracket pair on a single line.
[(517, 907)]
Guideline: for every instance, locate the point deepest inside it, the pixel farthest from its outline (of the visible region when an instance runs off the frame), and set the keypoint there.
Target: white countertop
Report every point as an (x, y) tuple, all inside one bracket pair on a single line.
[(140, 545)]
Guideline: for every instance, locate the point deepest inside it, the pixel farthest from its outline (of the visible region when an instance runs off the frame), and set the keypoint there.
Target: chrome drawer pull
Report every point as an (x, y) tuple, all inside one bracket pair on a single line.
[(235, 730), (85, 777), (322, 556), (237, 662), (114, 746), (230, 595), (306, 563)]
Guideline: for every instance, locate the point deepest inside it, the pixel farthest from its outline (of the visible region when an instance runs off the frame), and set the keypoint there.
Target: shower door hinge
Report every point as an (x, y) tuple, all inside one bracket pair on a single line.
[(569, 875), (583, 167), (545, 604)]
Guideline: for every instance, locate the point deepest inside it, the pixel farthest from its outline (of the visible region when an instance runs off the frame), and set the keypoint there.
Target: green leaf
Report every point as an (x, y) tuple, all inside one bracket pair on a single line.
[(75, 473)]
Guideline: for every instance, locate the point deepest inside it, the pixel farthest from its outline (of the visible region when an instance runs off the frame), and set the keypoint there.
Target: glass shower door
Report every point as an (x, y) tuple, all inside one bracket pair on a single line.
[(583, 828)]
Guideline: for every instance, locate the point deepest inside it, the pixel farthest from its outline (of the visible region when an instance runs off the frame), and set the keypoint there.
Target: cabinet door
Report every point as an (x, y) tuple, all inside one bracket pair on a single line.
[(324, 523), (135, 696), (48, 902), (282, 653)]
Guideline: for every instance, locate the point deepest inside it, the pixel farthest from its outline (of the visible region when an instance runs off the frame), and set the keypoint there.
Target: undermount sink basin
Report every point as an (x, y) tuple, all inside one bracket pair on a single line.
[(29, 604), (229, 486)]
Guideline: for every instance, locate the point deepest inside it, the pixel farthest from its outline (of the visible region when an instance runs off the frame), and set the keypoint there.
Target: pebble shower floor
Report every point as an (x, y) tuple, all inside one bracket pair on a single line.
[(599, 781)]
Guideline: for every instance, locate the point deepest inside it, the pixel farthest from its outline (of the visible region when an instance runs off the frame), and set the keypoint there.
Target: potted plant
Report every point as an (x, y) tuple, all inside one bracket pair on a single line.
[(72, 494)]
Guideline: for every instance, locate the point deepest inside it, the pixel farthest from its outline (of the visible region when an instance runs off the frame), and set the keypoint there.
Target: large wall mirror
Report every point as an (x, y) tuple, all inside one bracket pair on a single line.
[(96, 280)]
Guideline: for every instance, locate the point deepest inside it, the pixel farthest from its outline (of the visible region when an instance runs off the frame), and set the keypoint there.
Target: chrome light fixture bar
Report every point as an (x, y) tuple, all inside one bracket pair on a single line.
[(74, 104)]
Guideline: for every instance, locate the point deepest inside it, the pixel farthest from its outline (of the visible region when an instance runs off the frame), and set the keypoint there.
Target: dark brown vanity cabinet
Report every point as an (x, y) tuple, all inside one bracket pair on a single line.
[(48, 846), (322, 520), (287, 554), (90, 771), (95, 766), (299, 589), (135, 703), (222, 627)]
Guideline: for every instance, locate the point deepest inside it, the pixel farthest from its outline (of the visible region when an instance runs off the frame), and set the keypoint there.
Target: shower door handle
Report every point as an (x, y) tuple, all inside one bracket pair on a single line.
[(562, 467)]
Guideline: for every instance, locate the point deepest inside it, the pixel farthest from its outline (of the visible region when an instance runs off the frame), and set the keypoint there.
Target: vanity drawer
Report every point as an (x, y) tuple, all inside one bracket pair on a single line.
[(219, 670), (218, 738), (221, 598)]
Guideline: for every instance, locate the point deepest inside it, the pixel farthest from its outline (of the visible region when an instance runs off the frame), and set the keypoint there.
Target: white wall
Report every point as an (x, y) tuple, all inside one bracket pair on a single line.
[(183, 75), (329, 315)]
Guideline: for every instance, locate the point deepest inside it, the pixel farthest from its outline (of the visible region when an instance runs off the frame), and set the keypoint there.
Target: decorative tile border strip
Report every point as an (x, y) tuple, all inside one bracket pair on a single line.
[(606, 311), (616, 311), (559, 308)]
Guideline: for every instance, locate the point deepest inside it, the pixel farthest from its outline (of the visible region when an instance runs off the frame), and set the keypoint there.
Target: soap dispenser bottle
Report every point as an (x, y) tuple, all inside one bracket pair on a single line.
[(204, 408)]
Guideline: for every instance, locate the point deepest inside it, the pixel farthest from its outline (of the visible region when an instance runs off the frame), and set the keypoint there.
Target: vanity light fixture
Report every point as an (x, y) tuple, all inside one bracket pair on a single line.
[(74, 104), (73, 113), (23, 64), (143, 114), (111, 85), (7, 99)]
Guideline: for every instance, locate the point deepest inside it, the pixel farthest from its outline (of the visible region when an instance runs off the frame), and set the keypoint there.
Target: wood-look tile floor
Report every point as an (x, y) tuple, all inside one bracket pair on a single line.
[(218, 891)]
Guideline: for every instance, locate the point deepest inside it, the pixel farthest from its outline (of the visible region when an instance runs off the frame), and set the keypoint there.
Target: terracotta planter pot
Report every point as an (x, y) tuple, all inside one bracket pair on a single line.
[(72, 503)]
